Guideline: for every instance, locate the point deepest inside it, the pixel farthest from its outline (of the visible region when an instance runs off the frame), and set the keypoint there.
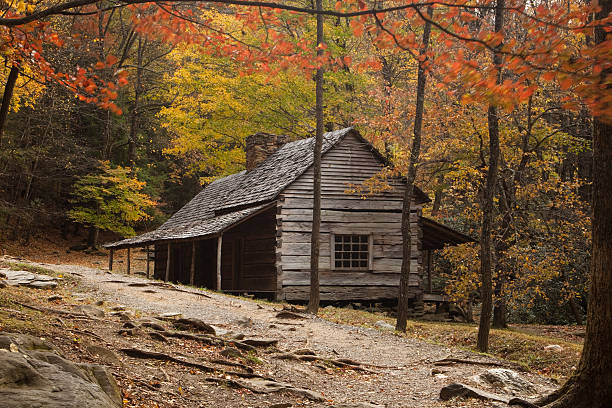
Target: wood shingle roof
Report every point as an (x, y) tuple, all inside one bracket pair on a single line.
[(230, 199)]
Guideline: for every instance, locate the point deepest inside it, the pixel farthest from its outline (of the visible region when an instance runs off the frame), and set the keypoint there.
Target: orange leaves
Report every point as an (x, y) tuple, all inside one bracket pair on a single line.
[(357, 27), (111, 60), (566, 83)]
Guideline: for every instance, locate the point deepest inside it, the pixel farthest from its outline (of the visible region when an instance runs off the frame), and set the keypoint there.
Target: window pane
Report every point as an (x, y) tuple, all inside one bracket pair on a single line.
[(351, 251)]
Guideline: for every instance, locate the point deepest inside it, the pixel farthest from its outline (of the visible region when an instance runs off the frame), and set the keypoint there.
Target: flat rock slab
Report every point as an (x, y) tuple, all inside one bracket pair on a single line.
[(29, 279), (260, 342), (463, 391), (35, 376)]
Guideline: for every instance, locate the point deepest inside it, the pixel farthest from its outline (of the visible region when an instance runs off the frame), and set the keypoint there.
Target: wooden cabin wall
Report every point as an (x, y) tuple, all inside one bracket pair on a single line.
[(248, 255), (349, 163)]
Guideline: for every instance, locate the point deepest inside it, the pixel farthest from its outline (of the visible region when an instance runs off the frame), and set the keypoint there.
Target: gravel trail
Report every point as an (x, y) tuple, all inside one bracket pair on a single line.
[(403, 366)]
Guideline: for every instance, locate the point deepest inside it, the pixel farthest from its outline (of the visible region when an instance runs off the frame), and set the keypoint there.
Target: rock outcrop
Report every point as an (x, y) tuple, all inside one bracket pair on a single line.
[(32, 374)]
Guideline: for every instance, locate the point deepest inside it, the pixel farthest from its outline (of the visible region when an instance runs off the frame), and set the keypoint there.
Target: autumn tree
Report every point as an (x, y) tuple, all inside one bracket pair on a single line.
[(110, 200)]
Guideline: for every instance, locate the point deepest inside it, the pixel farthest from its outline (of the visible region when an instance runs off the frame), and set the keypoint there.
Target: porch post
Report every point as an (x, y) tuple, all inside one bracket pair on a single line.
[(128, 261), (167, 264), (219, 244), (110, 259), (193, 259), (148, 267)]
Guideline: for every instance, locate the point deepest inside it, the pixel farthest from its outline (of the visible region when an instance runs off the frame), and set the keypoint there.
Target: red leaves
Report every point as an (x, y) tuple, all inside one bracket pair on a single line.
[(111, 60), (357, 27)]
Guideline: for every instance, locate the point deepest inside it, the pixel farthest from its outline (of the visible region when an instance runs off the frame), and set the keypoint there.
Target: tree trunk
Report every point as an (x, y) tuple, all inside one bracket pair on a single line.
[(591, 384), (92, 237), (486, 265), (315, 241), (403, 296), (9, 87), (131, 156)]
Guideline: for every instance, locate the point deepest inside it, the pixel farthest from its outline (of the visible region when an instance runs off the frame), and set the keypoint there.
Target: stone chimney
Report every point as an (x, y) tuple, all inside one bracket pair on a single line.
[(260, 146)]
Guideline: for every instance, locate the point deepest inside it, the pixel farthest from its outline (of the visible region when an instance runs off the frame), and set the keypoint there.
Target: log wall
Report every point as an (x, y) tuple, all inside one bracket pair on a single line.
[(349, 163)]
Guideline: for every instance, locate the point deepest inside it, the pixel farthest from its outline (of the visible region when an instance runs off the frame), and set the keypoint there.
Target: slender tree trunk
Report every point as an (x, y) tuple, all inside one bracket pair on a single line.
[(486, 264), (403, 296), (315, 242), (92, 237), (591, 384), (9, 87), (131, 157)]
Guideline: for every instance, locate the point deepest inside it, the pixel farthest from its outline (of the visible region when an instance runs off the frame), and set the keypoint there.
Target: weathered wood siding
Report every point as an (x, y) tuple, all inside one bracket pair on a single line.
[(349, 163)]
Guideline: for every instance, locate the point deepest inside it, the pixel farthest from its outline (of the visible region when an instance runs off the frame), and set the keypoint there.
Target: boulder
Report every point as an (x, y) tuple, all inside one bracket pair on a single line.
[(32, 375), (506, 381)]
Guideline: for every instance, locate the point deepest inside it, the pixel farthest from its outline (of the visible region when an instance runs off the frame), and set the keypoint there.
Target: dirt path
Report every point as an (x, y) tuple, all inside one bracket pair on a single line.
[(401, 367)]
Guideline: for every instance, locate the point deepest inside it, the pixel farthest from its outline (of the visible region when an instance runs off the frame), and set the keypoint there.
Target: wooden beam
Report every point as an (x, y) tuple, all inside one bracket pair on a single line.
[(128, 260), (193, 260), (167, 265), (148, 267), (110, 259), (219, 245)]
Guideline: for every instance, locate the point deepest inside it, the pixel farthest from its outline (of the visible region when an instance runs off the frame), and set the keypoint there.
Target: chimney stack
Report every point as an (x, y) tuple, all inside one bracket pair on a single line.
[(260, 146)]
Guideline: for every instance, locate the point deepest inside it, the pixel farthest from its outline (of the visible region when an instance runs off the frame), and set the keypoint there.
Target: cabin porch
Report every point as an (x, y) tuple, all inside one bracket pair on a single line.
[(239, 259)]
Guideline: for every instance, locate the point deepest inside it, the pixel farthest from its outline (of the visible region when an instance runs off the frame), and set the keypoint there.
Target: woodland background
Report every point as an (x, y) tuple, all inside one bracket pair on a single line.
[(149, 103)]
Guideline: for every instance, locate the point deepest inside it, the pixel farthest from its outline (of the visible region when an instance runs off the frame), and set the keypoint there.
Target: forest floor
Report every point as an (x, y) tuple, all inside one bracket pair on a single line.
[(383, 367)]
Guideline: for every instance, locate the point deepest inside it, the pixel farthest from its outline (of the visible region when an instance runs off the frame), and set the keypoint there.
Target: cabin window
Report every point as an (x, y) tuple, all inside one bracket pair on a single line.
[(350, 251)]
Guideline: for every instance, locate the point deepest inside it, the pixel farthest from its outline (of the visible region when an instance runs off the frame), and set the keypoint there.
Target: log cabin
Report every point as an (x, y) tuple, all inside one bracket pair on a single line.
[(250, 232)]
